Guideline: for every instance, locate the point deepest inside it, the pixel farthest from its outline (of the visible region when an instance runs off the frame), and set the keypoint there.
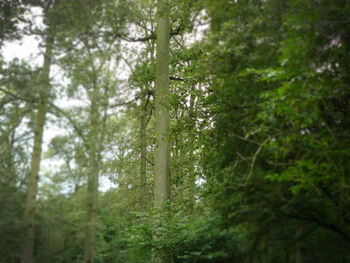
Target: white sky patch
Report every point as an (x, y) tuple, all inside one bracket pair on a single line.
[(26, 49)]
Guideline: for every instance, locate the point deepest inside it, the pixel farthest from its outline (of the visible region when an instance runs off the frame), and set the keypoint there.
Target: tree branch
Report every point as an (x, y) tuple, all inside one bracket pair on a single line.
[(77, 129), (17, 96), (152, 36), (176, 78)]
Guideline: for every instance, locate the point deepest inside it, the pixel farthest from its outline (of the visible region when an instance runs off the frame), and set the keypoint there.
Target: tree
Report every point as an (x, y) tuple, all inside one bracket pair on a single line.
[(262, 102), (161, 166), (161, 158), (88, 70), (29, 215), (17, 78)]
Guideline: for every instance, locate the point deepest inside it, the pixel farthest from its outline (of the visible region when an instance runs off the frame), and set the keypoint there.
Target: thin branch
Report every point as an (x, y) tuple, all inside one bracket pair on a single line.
[(178, 42), (152, 36), (254, 159), (244, 138), (317, 221), (139, 39), (176, 78), (123, 103), (71, 121), (147, 101), (149, 117), (17, 96), (148, 160)]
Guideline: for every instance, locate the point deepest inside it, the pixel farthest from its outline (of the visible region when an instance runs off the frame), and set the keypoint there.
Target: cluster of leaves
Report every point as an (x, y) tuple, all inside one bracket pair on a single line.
[(278, 152), (180, 237)]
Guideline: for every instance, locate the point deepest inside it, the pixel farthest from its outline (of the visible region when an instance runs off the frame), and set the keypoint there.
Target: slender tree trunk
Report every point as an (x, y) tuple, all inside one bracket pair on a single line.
[(192, 172), (265, 253), (143, 157), (300, 248), (143, 127), (161, 169), (92, 187), (179, 184), (11, 167), (29, 214)]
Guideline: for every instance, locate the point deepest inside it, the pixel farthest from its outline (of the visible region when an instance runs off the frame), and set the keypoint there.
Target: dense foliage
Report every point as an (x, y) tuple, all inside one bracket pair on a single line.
[(259, 106)]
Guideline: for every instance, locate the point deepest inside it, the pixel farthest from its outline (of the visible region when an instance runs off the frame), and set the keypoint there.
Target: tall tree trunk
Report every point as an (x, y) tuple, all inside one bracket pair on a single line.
[(92, 187), (29, 214), (161, 169), (161, 160)]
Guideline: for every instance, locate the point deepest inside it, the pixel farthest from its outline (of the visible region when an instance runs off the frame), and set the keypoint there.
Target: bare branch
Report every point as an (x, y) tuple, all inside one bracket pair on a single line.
[(176, 78)]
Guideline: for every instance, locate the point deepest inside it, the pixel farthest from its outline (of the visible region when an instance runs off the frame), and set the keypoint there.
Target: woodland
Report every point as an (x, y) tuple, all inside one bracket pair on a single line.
[(195, 131)]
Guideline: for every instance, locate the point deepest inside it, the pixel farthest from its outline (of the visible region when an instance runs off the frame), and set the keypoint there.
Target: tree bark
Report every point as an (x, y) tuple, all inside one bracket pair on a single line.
[(161, 169), (161, 162), (29, 214)]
